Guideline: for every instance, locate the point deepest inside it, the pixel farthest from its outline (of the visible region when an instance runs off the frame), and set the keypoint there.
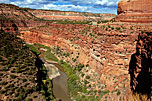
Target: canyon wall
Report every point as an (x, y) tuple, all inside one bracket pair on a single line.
[(140, 68), (67, 15), (108, 53), (36, 14), (134, 11), (106, 49)]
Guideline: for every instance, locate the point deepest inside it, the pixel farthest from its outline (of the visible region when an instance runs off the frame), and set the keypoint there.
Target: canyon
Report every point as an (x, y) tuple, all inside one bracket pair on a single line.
[(104, 49)]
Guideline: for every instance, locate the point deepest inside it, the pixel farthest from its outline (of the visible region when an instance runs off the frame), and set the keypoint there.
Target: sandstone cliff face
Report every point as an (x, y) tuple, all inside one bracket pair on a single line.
[(140, 68), (22, 19), (63, 15), (134, 11), (108, 54)]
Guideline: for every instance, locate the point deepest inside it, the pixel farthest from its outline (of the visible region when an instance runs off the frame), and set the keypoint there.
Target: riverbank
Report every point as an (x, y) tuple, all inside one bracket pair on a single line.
[(57, 77), (52, 70), (82, 80)]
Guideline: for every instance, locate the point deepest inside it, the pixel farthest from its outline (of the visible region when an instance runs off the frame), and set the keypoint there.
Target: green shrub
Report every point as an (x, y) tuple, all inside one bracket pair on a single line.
[(90, 34), (16, 94), (74, 60), (4, 68), (87, 77), (90, 98), (2, 91), (106, 28), (131, 28), (10, 93), (34, 49), (82, 97), (118, 93), (112, 28), (29, 99), (105, 21), (89, 86), (82, 74), (84, 89), (20, 97), (13, 76), (79, 67), (24, 80), (106, 91), (3, 83), (86, 82), (18, 70), (118, 28), (67, 54), (1, 74), (98, 22)]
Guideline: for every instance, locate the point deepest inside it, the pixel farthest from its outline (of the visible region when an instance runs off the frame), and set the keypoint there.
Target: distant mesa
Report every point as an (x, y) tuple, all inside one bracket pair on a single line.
[(31, 14), (135, 11)]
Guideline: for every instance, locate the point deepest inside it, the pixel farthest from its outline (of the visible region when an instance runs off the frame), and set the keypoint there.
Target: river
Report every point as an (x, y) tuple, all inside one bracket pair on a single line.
[(60, 90), (59, 80)]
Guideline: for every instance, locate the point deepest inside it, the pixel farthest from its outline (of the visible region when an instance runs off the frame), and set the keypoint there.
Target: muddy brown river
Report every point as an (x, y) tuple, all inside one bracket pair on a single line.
[(60, 89)]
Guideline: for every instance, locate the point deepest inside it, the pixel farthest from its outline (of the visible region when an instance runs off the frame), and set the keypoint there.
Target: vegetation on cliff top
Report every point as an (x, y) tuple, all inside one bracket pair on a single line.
[(21, 72)]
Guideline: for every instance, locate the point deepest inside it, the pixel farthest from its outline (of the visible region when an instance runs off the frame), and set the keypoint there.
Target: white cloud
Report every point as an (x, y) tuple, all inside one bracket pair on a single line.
[(106, 3), (65, 7), (35, 1), (103, 2), (110, 4), (95, 6), (28, 1), (4, 1)]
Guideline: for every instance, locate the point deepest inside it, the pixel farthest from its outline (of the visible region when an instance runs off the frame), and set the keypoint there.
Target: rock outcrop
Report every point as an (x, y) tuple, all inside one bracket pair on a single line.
[(134, 11), (140, 68)]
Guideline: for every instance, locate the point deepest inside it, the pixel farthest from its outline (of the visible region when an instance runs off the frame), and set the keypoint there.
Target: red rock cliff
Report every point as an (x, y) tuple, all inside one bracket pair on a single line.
[(63, 15), (134, 11)]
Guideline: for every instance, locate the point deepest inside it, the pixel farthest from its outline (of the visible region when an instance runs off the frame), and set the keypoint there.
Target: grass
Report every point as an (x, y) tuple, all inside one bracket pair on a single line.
[(34, 49), (73, 79), (49, 56), (140, 97)]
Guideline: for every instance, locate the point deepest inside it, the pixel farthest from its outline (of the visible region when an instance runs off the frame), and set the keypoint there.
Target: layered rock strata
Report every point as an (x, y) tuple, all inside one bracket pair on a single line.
[(134, 11), (67, 15)]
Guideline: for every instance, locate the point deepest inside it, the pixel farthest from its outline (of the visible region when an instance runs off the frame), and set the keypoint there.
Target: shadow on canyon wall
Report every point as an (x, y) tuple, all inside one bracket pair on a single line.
[(140, 67)]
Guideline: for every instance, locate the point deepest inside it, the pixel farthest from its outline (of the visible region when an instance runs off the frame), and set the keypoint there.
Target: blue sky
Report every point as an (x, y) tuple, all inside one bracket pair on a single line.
[(93, 6)]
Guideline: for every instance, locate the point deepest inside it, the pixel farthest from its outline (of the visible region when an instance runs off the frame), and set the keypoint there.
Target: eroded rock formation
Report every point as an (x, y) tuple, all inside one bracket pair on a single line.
[(134, 11), (67, 15), (140, 68)]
